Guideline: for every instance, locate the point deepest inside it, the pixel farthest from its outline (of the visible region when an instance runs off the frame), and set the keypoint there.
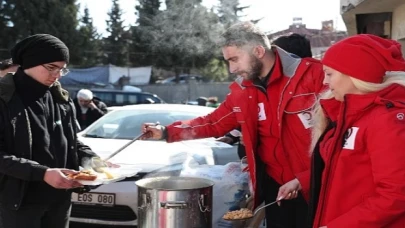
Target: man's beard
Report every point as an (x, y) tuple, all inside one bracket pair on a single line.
[(255, 69)]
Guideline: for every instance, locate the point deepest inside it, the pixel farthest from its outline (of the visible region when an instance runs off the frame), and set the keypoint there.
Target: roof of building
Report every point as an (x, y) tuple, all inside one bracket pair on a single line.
[(318, 37)]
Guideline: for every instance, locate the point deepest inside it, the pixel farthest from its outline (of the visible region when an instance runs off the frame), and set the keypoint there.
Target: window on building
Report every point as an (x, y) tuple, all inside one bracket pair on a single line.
[(378, 24)]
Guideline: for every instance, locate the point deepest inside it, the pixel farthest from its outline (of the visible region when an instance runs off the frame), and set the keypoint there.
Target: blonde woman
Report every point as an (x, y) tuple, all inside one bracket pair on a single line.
[(358, 161)]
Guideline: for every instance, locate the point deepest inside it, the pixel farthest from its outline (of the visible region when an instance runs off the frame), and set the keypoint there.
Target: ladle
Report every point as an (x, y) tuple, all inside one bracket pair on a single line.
[(258, 209), (99, 164)]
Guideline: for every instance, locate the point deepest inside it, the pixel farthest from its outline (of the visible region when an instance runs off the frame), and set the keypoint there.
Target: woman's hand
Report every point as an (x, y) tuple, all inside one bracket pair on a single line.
[(289, 190)]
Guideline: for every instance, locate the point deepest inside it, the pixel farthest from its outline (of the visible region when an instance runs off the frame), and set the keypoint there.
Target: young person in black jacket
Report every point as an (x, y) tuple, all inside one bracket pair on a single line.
[(38, 143)]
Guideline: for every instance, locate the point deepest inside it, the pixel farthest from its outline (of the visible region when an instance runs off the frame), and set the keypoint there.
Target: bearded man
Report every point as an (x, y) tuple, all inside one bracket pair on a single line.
[(271, 101)]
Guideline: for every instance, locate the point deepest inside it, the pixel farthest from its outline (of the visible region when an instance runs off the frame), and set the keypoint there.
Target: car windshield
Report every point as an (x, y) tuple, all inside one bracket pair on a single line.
[(126, 124)]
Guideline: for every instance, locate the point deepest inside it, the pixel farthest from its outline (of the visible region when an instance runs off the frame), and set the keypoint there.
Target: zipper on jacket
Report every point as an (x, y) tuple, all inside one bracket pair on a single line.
[(285, 88), (263, 84), (339, 129), (281, 100), (254, 184), (262, 89), (13, 123), (29, 132)]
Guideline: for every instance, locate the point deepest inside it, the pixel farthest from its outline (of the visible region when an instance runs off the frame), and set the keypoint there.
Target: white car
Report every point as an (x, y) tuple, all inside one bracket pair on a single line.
[(116, 203)]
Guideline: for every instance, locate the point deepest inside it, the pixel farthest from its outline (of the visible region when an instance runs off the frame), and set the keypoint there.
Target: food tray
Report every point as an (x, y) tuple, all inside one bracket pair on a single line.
[(238, 219)]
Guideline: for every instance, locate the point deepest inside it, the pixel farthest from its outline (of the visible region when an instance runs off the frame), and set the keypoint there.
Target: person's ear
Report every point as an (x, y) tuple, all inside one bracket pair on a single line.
[(259, 51)]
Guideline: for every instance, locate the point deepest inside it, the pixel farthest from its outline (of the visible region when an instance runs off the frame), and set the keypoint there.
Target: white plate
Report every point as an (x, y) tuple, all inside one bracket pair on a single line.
[(100, 181), (120, 173)]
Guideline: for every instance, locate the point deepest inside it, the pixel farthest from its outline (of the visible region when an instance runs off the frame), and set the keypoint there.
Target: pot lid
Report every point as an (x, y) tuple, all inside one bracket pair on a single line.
[(174, 183)]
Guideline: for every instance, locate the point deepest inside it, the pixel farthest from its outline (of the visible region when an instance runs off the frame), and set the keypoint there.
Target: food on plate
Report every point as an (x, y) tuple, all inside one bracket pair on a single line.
[(83, 175), (107, 173), (243, 213)]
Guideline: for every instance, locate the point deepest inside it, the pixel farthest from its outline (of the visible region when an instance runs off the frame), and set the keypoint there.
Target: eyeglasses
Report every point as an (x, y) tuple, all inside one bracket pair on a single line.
[(63, 71)]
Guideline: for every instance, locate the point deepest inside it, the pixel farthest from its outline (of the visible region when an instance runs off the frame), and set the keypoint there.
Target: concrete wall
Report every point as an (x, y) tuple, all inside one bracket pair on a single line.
[(349, 17), (190, 91), (318, 52), (398, 22), (349, 9)]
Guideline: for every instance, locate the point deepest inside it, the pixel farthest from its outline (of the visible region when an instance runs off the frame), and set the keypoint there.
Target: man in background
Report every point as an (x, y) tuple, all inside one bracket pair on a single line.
[(295, 44), (89, 108), (213, 102)]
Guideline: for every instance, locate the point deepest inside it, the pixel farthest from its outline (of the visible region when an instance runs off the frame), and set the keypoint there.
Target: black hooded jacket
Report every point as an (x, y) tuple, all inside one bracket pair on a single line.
[(21, 167)]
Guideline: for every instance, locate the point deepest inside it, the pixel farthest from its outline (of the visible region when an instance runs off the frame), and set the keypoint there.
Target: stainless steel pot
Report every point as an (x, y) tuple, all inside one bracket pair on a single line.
[(174, 202)]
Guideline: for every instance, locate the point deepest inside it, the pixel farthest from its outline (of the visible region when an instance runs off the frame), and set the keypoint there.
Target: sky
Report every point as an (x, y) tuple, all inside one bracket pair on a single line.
[(276, 15)]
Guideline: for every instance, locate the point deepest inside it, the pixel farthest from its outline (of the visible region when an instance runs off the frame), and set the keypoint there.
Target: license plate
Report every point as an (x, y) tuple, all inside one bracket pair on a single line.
[(105, 199)]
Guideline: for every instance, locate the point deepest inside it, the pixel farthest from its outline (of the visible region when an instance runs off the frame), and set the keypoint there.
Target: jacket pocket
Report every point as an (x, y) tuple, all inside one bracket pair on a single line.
[(13, 192), (299, 112), (300, 103)]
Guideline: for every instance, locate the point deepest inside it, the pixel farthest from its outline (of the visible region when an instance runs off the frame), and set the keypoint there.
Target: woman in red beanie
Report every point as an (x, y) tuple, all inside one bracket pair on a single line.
[(358, 161)]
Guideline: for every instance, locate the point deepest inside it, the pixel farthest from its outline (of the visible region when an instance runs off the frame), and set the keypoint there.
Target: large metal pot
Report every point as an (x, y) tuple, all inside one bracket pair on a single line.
[(174, 202)]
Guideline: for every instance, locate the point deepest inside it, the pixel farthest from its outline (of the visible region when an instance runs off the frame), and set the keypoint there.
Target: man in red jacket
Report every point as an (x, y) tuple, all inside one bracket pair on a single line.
[(271, 101)]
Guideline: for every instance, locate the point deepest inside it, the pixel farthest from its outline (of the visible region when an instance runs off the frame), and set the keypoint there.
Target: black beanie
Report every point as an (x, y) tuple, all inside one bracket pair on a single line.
[(39, 49)]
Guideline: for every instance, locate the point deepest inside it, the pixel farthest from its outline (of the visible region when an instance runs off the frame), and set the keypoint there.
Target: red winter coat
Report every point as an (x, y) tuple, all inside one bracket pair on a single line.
[(363, 180), (298, 93)]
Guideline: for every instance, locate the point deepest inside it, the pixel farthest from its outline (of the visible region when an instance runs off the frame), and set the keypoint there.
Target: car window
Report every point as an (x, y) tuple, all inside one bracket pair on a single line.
[(126, 124), (132, 99), (107, 98), (155, 99), (146, 96), (119, 99)]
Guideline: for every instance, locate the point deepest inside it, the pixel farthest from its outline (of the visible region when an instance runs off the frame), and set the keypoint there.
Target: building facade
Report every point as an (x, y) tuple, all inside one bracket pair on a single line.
[(383, 18), (321, 39)]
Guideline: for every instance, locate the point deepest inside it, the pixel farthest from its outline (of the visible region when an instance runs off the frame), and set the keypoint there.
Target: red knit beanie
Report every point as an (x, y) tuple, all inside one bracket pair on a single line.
[(365, 57)]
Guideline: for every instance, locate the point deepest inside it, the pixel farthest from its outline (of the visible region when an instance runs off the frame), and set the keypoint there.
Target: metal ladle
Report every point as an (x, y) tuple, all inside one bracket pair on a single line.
[(258, 209), (99, 164), (264, 206)]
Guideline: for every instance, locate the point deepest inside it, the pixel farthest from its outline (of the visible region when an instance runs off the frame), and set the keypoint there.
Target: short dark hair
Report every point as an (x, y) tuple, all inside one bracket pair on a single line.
[(243, 34), (6, 63), (296, 44)]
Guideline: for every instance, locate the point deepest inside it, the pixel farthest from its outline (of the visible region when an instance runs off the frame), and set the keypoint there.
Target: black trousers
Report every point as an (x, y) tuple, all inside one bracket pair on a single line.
[(291, 213), (55, 215), (241, 151)]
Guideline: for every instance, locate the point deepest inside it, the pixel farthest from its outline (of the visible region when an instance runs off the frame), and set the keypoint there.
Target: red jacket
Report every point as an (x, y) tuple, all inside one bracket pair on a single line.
[(363, 180), (297, 93)]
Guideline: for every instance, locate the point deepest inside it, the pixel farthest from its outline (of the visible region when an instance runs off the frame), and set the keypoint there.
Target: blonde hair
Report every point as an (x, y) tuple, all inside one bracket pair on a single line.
[(320, 122)]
